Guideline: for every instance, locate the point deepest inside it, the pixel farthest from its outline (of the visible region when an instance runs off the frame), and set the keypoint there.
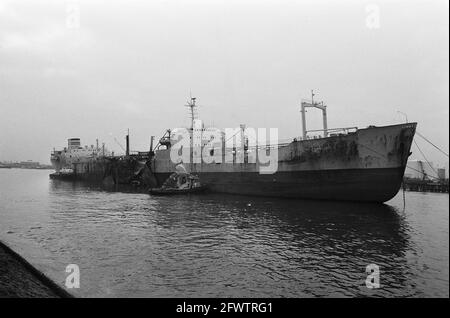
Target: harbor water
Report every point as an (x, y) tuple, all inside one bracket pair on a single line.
[(131, 244)]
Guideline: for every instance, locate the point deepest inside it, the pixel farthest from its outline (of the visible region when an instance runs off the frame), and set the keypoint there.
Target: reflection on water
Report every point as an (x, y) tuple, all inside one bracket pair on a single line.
[(133, 244)]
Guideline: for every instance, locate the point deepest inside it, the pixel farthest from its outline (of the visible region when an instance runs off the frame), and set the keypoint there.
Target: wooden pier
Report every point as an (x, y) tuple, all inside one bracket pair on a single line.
[(419, 185)]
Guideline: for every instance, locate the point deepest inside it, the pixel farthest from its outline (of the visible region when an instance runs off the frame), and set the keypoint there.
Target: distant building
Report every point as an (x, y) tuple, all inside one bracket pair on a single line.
[(29, 164), (441, 173)]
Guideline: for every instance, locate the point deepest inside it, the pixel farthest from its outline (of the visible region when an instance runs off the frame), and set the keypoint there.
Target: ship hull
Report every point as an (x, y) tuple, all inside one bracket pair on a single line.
[(367, 165), (370, 185)]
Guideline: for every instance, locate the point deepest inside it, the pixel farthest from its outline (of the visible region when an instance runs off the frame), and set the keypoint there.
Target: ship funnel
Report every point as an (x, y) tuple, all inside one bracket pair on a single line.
[(127, 139)]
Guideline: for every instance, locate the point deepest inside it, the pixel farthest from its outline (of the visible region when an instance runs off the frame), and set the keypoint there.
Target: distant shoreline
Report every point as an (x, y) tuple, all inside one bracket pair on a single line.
[(34, 168)]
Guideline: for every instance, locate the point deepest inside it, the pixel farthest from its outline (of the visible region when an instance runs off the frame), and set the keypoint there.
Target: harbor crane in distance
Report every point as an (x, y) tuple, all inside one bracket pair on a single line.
[(120, 145)]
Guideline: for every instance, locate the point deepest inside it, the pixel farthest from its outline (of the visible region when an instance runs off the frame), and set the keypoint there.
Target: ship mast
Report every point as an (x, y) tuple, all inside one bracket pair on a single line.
[(192, 107)]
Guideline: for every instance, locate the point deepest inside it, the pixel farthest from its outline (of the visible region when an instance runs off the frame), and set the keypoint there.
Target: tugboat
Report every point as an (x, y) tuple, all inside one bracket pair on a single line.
[(179, 182), (63, 174)]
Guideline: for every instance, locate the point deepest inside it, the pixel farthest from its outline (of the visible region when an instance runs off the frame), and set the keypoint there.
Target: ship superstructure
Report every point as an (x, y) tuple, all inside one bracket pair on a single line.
[(75, 153)]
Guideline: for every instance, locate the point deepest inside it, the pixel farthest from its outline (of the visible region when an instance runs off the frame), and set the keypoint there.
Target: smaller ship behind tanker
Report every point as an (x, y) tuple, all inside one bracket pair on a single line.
[(342, 164)]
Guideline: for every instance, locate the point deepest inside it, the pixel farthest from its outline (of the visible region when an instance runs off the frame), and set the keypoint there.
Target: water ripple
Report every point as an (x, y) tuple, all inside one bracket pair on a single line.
[(134, 244)]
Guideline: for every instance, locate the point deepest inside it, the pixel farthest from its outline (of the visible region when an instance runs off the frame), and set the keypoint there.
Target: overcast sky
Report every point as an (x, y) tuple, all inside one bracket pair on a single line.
[(133, 64)]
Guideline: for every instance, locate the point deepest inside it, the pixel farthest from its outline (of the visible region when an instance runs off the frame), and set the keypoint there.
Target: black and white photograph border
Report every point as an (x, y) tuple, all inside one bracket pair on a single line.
[(224, 155)]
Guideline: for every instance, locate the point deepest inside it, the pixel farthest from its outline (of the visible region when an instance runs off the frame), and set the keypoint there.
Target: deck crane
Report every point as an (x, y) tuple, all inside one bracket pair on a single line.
[(320, 106)]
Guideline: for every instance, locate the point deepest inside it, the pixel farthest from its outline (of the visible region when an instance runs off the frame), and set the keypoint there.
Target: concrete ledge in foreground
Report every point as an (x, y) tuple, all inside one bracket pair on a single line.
[(18, 278)]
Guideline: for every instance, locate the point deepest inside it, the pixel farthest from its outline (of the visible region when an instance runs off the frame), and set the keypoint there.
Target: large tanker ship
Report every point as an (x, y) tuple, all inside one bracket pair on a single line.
[(341, 164)]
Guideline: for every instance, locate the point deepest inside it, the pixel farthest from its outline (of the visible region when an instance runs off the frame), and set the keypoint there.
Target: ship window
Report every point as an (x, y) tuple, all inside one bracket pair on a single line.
[(211, 152)]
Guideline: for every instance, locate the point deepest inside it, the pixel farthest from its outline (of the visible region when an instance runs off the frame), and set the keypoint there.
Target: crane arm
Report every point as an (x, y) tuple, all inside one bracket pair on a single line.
[(117, 142)]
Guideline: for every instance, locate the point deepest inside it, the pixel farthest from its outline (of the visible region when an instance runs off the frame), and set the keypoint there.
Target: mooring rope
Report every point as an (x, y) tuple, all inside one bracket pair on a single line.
[(428, 175), (404, 195), (423, 155), (382, 155), (420, 135)]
